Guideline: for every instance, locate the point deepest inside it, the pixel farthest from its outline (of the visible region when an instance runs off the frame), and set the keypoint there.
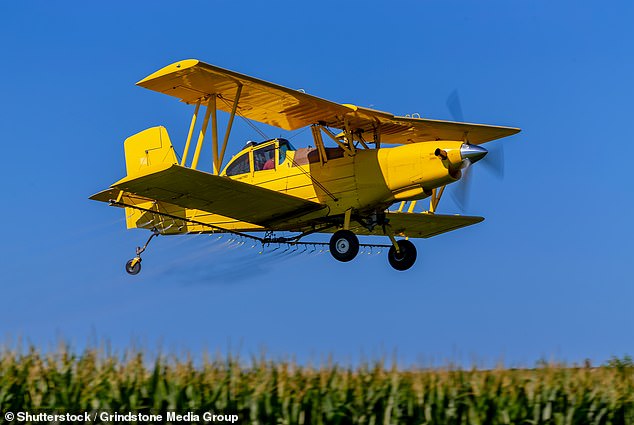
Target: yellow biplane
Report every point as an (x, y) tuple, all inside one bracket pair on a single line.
[(345, 189)]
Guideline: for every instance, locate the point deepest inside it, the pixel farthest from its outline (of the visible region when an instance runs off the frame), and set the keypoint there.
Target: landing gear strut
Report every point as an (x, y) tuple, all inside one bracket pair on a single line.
[(133, 266), (344, 245)]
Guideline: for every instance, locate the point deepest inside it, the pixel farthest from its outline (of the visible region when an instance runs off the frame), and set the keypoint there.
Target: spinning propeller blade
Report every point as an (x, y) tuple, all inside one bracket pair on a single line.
[(492, 158), (460, 193), (454, 106), (494, 161)]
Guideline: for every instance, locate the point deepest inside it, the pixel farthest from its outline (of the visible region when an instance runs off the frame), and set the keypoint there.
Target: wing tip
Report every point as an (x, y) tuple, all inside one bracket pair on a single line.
[(105, 195), (169, 69)]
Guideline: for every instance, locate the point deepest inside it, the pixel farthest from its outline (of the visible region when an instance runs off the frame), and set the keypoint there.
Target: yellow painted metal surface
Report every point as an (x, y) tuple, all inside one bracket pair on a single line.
[(166, 225), (417, 225), (146, 149), (269, 103), (201, 136), (279, 106), (308, 188), (190, 134), (293, 194), (232, 116), (193, 189)]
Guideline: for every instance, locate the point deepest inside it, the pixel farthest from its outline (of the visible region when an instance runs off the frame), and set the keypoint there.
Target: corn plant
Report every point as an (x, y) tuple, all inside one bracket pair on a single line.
[(262, 391)]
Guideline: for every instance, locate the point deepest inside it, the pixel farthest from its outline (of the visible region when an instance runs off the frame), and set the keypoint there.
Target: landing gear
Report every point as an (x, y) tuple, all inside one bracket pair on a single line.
[(405, 258), (344, 245), (133, 266)]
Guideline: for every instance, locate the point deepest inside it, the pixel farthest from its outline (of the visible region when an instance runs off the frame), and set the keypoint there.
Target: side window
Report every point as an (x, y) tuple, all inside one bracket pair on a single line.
[(264, 159), (239, 166), (283, 149)]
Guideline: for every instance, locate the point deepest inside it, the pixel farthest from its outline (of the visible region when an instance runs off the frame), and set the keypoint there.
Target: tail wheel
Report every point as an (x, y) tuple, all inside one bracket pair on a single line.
[(344, 245), (404, 259), (133, 266)]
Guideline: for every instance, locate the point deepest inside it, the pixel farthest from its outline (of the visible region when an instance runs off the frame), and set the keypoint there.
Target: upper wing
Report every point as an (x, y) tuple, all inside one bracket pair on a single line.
[(420, 225), (191, 80), (189, 188), (404, 130)]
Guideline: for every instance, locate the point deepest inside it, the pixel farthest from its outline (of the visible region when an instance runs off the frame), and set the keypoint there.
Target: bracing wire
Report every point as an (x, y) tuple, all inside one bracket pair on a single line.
[(246, 120), (253, 126), (298, 133)]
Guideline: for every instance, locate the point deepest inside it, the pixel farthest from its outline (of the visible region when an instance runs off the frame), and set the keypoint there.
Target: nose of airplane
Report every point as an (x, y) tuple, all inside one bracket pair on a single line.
[(473, 153)]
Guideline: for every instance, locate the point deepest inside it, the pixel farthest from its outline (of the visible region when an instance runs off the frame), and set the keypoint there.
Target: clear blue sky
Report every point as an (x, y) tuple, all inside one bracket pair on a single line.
[(549, 274)]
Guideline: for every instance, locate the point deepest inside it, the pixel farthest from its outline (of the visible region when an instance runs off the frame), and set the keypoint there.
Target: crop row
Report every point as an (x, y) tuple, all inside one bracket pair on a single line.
[(262, 391)]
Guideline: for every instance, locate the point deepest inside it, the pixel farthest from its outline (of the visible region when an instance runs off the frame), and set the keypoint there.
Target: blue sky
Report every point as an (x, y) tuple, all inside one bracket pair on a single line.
[(547, 275)]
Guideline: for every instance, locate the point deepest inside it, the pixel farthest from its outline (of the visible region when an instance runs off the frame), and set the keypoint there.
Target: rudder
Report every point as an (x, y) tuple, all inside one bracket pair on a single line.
[(147, 148)]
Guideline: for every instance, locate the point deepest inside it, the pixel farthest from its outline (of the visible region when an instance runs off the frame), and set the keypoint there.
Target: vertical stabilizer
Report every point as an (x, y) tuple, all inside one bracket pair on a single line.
[(147, 148)]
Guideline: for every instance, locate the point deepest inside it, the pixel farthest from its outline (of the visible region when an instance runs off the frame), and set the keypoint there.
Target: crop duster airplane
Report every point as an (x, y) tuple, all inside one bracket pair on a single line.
[(269, 187)]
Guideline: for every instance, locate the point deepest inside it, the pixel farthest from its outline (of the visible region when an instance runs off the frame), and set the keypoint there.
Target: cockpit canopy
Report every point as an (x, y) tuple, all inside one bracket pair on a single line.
[(261, 156)]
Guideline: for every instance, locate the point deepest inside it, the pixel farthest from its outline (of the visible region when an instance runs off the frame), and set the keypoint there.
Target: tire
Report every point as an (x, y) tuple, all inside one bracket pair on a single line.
[(344, 245), (133, 269), (405, 259)]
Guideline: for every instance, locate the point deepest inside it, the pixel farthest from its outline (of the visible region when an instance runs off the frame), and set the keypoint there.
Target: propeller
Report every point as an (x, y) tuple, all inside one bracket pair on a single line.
[(454, 106), (493, 161), (460, 193)]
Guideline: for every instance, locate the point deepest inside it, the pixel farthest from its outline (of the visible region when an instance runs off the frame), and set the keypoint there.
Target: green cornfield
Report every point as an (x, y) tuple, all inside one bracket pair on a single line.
[(262, 391)]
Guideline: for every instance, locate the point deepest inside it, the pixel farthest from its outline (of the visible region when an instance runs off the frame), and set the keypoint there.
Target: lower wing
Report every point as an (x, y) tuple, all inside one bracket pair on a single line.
[(195, 189), (420, 225)]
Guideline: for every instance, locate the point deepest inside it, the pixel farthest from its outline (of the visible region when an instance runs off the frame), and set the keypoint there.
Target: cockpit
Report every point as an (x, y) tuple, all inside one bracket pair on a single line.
[(261, 156)]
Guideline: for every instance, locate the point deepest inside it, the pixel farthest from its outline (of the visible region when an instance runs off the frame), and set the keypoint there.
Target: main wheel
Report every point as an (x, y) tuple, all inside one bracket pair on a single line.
[(133, 266), (404, 259), (344, 245)]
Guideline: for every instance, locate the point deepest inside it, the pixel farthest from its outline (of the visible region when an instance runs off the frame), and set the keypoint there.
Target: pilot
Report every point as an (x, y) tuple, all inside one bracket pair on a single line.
[(269, 164)]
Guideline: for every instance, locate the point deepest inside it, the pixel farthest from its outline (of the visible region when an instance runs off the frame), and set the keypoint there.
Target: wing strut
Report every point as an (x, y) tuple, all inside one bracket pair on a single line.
[(190, 133), (347, 147), (234, 108), (211, 115), (214, 132), (319, 143), (201, 135), (436, 194)]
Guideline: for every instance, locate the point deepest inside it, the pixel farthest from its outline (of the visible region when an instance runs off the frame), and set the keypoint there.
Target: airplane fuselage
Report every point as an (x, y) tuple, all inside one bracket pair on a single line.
[(368, 181)]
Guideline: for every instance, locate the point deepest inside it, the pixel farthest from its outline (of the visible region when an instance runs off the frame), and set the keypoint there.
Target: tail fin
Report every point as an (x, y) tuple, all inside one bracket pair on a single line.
[(147, 148)]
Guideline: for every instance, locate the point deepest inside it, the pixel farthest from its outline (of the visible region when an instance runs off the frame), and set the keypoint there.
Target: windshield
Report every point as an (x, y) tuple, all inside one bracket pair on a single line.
[(264, 158), (239, 166)]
